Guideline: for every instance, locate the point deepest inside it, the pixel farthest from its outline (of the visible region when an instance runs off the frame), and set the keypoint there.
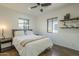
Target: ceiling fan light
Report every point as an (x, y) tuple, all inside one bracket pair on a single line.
[(41, 10)]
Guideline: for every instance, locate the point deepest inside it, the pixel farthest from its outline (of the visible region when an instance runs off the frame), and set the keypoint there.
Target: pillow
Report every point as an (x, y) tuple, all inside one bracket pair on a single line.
[(19, 33), (29, 33)]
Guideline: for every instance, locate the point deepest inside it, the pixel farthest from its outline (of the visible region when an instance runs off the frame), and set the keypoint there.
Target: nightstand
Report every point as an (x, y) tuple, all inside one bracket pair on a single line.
[(5, 42)]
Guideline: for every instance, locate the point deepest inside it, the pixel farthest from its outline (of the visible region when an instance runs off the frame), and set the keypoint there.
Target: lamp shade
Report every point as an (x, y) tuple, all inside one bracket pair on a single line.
[(2, 27)]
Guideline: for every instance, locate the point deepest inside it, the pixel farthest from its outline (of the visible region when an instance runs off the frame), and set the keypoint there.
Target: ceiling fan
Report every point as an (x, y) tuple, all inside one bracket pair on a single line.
[(41, 5)]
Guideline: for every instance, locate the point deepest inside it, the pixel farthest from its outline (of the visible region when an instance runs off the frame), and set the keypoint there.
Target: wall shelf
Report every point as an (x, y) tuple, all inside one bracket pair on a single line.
[(77, 18), (69, 27), (72, 23)]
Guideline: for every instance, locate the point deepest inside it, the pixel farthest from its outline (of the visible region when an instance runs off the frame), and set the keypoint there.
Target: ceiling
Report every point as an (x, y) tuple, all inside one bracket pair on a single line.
[(25, 7)]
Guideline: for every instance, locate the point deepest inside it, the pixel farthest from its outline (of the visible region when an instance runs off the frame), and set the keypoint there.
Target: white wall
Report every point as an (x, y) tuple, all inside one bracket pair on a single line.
[(9, 18), (65, 37)]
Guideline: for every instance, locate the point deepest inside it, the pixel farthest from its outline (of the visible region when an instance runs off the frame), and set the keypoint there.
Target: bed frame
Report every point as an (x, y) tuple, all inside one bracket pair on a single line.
[(14, 30), (13, 34)]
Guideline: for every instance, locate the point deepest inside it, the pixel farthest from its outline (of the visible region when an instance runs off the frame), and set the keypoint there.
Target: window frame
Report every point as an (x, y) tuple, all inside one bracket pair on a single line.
[(24, 24), (51, 25)]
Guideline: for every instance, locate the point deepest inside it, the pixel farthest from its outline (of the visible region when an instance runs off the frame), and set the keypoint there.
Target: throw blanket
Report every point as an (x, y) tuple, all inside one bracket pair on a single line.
[(24, 42)]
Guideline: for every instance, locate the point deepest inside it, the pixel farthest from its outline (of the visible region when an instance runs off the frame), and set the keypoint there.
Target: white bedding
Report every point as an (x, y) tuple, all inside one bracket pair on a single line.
[(33, 48)]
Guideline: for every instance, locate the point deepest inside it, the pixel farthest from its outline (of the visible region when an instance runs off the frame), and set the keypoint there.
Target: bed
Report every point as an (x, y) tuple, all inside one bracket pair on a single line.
[(30, 44)]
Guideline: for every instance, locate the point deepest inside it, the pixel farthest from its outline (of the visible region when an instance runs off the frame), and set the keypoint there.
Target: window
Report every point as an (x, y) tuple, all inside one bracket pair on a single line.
[(55, 25), (49, 26), (52, 25), (23, 23)]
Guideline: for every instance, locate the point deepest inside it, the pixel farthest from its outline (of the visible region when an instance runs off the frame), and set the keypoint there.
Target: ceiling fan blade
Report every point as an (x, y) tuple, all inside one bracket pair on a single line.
[(45, 4), (33, 7), (38, 3)]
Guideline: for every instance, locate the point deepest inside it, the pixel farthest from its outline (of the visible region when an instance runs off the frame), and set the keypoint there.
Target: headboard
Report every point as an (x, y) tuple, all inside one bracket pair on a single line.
[(14, 30)]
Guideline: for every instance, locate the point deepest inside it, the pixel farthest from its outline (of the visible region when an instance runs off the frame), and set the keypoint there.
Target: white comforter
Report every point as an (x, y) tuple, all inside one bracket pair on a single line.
[(33, 48)]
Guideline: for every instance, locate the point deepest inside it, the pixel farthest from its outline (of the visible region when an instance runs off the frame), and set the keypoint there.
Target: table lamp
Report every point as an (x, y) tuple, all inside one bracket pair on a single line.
[(2, 27)]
